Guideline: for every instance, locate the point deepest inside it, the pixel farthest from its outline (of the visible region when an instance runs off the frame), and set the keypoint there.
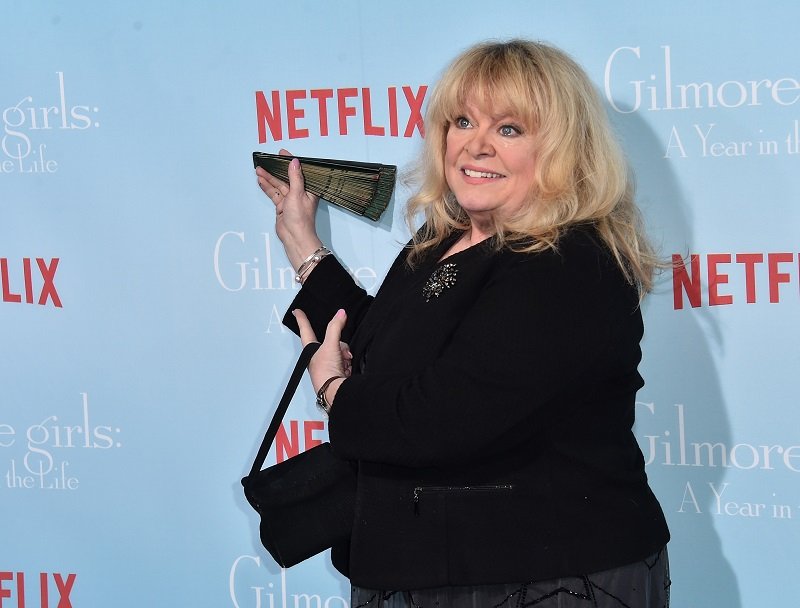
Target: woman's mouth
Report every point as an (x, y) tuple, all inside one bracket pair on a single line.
[(481, 174)]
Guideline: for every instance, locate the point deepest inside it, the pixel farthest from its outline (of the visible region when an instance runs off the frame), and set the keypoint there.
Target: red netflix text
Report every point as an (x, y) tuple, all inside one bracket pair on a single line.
[(33, 282), (299, 113), (288, 444), (23, 591), (717, 279)]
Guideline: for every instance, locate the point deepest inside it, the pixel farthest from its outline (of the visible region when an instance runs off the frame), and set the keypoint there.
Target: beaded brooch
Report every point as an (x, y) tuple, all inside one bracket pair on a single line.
[(442, 278)]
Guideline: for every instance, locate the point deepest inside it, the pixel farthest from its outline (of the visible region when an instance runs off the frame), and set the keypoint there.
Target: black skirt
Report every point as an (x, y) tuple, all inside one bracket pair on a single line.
[(643, 584)]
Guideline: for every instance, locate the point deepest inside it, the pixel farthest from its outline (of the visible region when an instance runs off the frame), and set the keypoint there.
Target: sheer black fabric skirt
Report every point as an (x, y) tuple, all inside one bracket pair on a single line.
[(643, 584)]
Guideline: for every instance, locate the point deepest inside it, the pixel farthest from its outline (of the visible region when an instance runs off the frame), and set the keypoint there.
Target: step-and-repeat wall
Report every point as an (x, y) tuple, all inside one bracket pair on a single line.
[(143, 285)]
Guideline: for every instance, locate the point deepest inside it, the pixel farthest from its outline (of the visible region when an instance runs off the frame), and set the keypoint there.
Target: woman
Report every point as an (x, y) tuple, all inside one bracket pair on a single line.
[(491, 396)]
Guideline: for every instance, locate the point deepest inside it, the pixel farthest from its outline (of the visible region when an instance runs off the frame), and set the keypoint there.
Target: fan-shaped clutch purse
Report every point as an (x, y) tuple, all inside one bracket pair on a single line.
[(363, 188)]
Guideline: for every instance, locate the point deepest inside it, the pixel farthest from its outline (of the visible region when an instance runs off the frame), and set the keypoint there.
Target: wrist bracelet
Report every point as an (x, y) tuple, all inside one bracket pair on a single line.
[(311, 261), (322, 400)]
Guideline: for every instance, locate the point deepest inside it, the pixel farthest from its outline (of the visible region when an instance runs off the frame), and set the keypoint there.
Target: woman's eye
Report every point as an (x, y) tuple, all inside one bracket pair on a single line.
[(509, 130), (462, 123)]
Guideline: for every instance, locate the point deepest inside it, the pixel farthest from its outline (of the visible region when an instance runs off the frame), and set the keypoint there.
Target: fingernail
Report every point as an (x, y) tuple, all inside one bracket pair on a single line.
[(341, 313), (295, 164), (294, 313)]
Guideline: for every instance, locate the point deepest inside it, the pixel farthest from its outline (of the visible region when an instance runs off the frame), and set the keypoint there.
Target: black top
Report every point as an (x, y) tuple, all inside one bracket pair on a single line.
[(491, 423)]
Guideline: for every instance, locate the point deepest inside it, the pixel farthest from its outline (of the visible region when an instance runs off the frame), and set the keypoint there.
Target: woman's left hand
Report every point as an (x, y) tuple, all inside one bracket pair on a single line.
[(333, 357)]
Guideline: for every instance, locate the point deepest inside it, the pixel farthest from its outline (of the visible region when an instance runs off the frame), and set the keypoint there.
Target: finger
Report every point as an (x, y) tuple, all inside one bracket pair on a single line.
[(266, 176), (270, 184), (307, 335), (297, 183), (333, 333)]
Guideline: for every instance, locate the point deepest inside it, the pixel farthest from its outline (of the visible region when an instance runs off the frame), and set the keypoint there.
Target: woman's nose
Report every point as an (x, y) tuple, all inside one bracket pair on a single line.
[(479, 144)]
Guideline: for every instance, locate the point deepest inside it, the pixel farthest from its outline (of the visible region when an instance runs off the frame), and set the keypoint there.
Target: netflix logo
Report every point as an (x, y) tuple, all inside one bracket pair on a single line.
[(299, 113), (288, 440), (52, 590), (30, 281), (718, 279)]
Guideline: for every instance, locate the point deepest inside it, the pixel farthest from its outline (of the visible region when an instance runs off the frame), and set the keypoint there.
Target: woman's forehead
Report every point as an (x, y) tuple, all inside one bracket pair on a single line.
[(496, 105)]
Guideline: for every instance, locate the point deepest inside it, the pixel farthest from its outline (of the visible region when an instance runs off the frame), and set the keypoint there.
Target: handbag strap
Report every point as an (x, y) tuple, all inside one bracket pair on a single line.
[(297, 373)]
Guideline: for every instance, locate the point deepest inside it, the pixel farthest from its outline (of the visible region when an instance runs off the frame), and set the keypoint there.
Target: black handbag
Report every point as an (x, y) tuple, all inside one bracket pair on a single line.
[(306, 503)]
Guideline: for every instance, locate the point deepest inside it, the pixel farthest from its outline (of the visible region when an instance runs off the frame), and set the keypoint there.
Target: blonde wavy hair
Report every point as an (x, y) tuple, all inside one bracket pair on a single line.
[(580, 174)]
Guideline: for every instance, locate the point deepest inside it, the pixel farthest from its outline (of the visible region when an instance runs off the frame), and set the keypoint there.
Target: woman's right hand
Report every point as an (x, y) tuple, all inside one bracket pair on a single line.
[(295, 211)]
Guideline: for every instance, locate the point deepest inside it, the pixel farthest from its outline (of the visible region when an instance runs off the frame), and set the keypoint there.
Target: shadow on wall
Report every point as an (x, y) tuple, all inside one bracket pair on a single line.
[(682, 403)]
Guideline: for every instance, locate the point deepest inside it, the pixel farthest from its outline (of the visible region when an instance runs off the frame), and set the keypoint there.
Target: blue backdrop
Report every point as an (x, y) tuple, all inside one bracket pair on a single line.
[(142, 283)]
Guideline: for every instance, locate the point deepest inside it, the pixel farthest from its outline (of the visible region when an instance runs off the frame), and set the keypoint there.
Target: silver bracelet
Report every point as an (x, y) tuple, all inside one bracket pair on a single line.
[(311, 261)]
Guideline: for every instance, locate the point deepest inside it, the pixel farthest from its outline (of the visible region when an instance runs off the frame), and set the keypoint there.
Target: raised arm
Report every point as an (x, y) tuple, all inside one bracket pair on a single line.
[(295, 213)]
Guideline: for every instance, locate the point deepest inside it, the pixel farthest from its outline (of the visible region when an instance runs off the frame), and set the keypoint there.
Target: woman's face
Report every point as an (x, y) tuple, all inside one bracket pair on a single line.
[(489, 162)]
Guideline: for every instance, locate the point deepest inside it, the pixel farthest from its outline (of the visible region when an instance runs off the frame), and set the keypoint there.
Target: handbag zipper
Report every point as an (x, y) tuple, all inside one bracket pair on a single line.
[(484, 488)]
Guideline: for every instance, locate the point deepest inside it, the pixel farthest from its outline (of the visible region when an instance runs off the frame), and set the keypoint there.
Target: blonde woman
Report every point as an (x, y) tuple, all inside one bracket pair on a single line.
[(488, 390)]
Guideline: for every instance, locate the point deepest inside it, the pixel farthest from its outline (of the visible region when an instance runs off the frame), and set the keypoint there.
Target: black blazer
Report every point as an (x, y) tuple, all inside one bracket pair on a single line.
[(491, 423)]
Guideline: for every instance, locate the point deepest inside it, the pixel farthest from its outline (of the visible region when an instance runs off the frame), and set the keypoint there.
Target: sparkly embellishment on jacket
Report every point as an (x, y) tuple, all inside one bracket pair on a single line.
[(442, 278)]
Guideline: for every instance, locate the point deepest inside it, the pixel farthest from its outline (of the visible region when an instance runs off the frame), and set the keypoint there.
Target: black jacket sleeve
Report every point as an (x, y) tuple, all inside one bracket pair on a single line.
[(327, 289)]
